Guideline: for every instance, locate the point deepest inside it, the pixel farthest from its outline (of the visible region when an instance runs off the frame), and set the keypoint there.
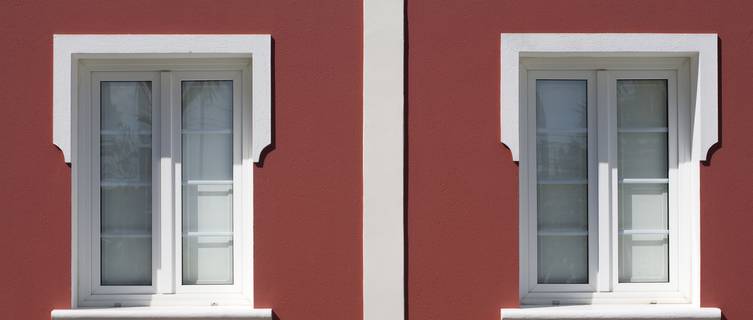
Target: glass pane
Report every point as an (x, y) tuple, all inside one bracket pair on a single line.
[(643, 155), (210, 156), (126, 106), (208, 208), (126, 182), (207, 105), (643, 204), (642, 103), (125, 157), (563, 207), (561, 104), (127, 260), (562, 173), (562, 259), (207, 171), (207, 260), (126, 209), (644, 258), (562, 156)]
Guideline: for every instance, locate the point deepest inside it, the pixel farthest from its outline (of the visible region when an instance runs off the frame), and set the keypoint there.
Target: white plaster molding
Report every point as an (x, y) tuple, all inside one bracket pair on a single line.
[(613, 312), (164, 313), (383, 244), (700, 48), (66, 50)]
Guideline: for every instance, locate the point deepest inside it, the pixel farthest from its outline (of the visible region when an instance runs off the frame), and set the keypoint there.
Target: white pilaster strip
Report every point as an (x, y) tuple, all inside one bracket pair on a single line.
[(383, 265)]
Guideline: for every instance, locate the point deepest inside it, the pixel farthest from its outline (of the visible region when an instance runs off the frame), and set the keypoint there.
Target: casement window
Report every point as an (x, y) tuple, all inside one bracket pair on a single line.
[(602, 180), (163, 182)]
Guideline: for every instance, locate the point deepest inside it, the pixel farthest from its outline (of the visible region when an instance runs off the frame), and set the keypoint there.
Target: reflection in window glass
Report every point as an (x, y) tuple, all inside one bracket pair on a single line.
[(125, 183), (562, 174)]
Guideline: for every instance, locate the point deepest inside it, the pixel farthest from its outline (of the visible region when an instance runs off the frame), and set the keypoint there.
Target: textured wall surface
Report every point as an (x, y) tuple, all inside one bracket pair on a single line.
[(461, 195), (307, 193), (462, 185)]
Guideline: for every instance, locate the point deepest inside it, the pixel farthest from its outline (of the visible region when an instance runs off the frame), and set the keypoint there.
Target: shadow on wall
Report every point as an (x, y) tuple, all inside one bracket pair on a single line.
[(273, 124), (720, 109)]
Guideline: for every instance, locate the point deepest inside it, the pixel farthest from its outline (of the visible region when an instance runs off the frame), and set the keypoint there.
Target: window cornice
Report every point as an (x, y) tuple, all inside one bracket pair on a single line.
[(66, 50), (701, 49)]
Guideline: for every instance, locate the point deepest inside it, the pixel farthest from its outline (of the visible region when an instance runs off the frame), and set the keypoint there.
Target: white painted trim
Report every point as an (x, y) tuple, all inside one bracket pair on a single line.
[(167, 74), (613, 312), (383, 243), (66, 50), (700, 48), (168, 313), (685, 286)]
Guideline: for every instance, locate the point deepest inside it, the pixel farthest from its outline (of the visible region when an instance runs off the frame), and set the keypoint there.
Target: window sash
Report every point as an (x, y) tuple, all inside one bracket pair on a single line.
[(603, 184), (176, 96), (610, 79), (589, 77), (95, 234)]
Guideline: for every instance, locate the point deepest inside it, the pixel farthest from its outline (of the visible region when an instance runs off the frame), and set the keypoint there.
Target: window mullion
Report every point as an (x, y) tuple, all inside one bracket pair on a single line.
[(605, 129), (612, 231), (165, 269)]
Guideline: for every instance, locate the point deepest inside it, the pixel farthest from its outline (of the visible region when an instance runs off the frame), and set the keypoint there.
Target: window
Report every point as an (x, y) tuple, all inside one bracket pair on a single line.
[(163, 182), (601, 59), (602, 176)]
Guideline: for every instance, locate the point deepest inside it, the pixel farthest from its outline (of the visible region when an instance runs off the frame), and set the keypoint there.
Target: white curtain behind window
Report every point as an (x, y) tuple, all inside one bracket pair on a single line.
[(207, 165)]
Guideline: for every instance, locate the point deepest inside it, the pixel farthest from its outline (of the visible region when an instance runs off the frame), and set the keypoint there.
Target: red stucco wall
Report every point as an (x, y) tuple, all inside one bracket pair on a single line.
[(462, 184), (307, 194)]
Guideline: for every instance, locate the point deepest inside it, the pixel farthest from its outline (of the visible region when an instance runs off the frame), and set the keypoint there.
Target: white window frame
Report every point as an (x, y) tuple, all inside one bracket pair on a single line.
[(701, 52), (240, 223), (528, 169), (70, 49), (166, 288), (603, 285), (90, 245)]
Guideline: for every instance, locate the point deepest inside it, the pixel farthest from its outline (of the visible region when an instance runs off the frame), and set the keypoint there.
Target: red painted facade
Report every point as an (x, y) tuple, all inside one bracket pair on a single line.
[(307, 193), (461, 184)]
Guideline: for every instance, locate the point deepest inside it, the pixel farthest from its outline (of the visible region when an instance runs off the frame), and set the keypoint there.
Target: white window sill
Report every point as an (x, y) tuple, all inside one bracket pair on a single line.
[(613, 312), (164, 313)]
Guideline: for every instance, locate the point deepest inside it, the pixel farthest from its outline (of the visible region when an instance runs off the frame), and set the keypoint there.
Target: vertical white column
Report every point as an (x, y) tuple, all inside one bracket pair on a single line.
[(383, 89)]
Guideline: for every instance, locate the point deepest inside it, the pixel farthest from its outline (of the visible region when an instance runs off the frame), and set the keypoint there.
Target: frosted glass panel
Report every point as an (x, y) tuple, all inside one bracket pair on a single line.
[(563, 207), (126, 260), (207, 260), (208, 208), (562, 156), (643, 155), (561, 104), (644, 258), (207, 171), (642, 103), (562, 174), (126, 209), (125, 182), (643, 201), (644, 206), (562, 259)]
